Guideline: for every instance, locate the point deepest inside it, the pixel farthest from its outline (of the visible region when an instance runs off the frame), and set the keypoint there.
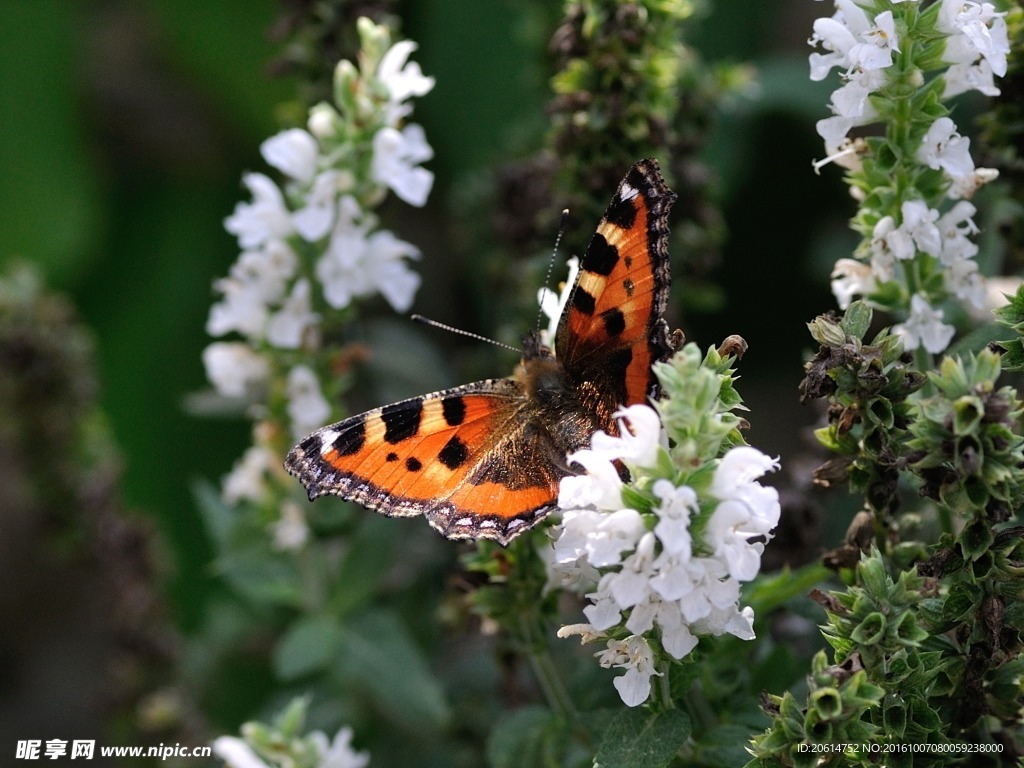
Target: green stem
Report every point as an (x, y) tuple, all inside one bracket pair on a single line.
[(665, 686), (550, 681), (945, 518)]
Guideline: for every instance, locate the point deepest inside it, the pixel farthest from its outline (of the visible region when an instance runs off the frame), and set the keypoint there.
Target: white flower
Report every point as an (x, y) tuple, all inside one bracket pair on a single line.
[(572, 575), (600, 486), (403, 80), (396, 158), (966, 186), (233, 367), (746, 510), (851, 100), (265, 218), (599, 537), (257, 280), (955, 226), (834, 129), (657, 577), (629, 586), (852, 41), (243, 308), (638, 443), (676, 637), (851, 278), (966, 76), (640, 437), (844, 152), (338, 753), (586, 632), (943, 148), (307, 407), (248, 477), (635, 656), (603, 611), (290, 532), (888, 244), (324, 121), (388, 271), (552, 304), (919, 224), (314, 219), (976, 29), (837, 35), (355, 264), (236, 753), (674, 512), (965, 282), (293, 152), (924, 327), (879, 43), (287, 325)]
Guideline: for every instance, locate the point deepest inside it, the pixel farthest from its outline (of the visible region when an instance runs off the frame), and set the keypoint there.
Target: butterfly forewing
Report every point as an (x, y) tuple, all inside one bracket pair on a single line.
[(612, 330)]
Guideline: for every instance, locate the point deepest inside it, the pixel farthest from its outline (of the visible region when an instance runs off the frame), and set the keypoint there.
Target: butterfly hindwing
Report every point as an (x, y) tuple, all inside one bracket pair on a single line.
[(469, 458), (612, 330)]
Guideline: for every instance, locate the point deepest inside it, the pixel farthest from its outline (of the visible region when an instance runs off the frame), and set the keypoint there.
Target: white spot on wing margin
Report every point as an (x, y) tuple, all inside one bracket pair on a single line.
[(327, 438)]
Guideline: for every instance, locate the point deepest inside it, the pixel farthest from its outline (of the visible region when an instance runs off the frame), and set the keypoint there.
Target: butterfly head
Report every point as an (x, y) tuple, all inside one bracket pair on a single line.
[(534, 348)]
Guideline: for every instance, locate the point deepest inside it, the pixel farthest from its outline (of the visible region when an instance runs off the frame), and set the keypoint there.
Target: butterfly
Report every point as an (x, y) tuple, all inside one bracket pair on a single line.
[(484, 460)]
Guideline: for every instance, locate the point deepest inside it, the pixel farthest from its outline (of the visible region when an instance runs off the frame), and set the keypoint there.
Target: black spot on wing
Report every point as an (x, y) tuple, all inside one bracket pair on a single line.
[(349, 440), (454, 410), (621, 212), (583, 301), (638, 175), (601, 256), (392, 456), (413, 464), (614, 321), (454, 453), (401, 421), (629, 286)]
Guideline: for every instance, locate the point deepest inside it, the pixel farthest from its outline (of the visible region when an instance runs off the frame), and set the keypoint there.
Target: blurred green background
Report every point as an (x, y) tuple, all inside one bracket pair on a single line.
[(125, 128)]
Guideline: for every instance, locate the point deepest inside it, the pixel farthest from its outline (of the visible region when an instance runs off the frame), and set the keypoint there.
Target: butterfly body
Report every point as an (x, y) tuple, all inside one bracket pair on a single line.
[(484, 460)]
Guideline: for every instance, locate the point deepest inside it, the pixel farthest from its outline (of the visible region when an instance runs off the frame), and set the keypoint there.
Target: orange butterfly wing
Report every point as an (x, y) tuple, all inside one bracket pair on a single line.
[(468, 458), (612, 330)]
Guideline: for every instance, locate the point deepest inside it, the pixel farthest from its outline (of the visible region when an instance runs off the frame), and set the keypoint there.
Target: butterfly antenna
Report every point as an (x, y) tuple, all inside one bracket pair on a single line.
[(551, 262), (460, 332)]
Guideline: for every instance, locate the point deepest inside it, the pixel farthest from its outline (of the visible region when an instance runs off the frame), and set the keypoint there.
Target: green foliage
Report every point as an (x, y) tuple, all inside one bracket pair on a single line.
[(868, 386), (881, 684), (1011, 316), (698, 404), (639, 739), (969, 456)]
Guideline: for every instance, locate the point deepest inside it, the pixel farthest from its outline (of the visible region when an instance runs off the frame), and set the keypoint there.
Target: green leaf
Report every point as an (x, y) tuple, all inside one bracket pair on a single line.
[(523, 739), (308, 646), (637, 738), (960, 601), (379, 654), (219, 518), (857, 319), (367, 561), (725, 745), (260, 577), (976, 538)]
